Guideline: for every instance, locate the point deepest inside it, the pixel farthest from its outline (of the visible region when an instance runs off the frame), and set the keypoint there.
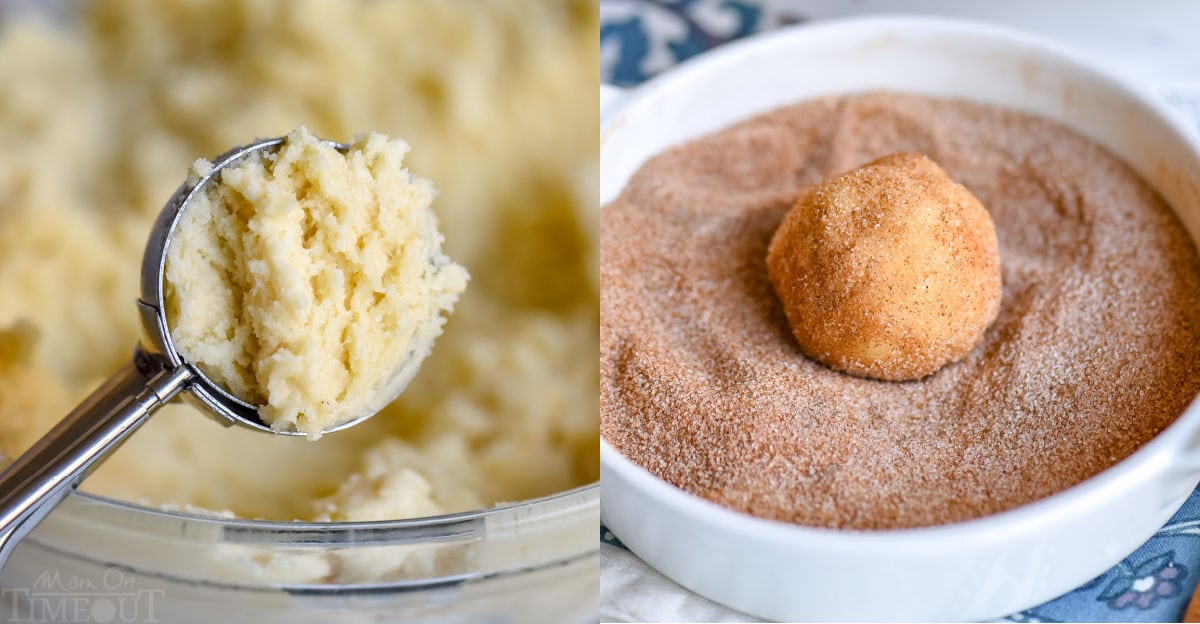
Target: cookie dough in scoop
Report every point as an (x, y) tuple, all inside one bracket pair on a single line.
[(304, 280)]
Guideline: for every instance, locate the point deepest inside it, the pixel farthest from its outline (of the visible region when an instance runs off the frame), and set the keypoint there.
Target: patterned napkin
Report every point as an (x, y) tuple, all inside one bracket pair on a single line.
[(641, 38)]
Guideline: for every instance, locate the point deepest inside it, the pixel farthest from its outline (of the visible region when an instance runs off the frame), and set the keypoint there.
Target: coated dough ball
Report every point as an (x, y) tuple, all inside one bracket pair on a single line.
[(889, 271)]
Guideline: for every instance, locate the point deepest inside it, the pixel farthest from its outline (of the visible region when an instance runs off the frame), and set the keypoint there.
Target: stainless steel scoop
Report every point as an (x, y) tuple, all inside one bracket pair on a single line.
[(40, 478)]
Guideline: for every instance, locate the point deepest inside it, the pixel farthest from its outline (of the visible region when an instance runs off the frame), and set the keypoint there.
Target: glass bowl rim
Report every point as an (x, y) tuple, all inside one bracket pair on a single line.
[(294, 533)]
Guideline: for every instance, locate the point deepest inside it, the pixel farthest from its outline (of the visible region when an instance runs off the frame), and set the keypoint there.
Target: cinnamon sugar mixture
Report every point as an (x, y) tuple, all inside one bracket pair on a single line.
[(1096, 349)]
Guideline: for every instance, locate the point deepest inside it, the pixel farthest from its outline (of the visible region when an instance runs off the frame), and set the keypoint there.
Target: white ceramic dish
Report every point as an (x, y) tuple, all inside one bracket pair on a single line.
[(971, 570)]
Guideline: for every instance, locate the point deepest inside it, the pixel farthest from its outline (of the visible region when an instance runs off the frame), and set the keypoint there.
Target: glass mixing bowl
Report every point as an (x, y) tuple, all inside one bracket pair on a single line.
[(97, 559)]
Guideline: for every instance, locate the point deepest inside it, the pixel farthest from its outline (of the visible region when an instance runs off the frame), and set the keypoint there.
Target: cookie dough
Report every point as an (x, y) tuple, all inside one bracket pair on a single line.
[(889, 271), (310, 282), (101, 116)]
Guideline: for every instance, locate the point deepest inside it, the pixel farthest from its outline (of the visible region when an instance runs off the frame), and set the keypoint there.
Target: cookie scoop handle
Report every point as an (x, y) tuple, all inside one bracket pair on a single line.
[(33, 485)]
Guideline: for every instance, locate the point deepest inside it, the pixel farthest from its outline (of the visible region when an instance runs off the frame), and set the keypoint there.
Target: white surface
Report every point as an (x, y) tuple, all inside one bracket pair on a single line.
[(973, 570)]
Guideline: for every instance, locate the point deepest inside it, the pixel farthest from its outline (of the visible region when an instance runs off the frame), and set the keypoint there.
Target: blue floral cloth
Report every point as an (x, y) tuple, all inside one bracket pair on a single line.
[(639, 38)]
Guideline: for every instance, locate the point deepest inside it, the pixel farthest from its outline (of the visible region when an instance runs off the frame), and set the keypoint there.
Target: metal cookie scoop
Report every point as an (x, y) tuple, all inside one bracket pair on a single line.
[(40, 478)]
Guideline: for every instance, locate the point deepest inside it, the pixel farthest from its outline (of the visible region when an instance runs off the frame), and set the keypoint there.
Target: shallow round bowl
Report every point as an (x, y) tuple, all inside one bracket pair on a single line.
[(977, 569)]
